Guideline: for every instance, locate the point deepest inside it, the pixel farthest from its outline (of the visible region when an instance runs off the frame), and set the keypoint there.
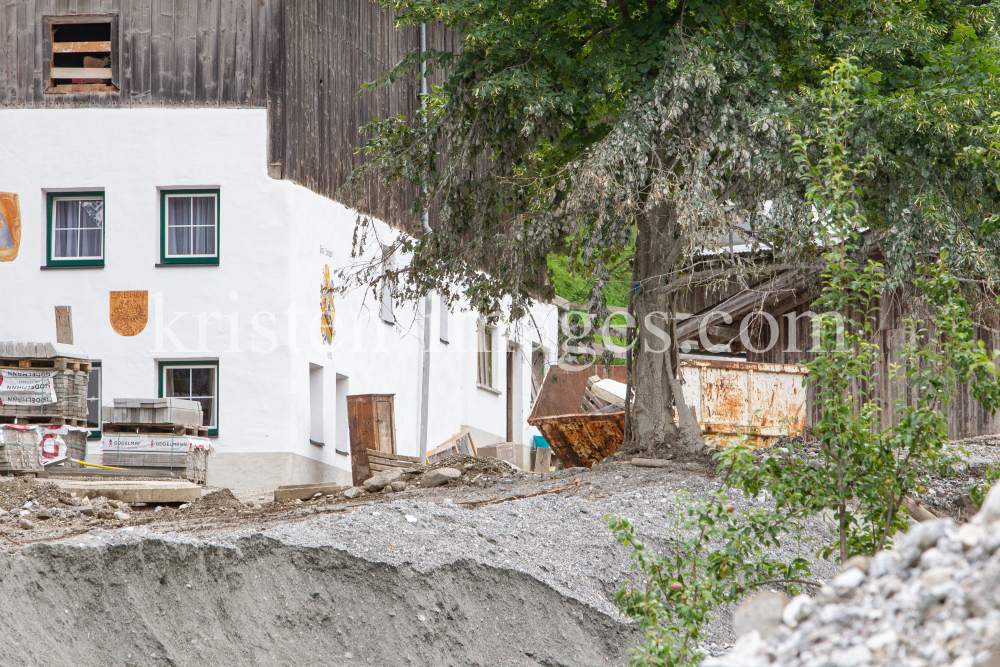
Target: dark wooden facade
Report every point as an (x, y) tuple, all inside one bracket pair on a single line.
[(304, 60), (212, 53)]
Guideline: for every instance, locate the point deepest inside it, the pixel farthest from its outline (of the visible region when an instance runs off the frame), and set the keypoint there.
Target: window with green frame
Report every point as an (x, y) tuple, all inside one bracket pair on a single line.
[(75, 229), (189, 226), (195, 381)]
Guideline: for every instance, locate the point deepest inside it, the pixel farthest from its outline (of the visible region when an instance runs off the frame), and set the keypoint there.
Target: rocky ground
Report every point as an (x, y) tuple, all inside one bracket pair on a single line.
[(930, 601), (540, 541), (492, 567)]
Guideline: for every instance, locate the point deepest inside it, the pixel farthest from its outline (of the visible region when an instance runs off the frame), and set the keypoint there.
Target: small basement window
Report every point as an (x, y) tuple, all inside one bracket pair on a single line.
[(83, 57)]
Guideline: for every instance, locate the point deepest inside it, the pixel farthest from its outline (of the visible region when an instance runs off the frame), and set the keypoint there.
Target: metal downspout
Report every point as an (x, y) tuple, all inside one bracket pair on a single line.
[(425, 385)]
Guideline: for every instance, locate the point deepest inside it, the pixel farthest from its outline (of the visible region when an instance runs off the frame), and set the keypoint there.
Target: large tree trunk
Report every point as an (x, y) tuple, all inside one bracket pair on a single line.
[(655, 372)]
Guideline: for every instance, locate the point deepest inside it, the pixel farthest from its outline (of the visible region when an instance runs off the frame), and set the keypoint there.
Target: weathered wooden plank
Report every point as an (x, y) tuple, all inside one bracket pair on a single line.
[(25, 52), (137, 79), (242, 67), (8, 52), (377, 454), (81, 72), (185, 52), (206, 82), (162, 62), (271, 30), (265, 17), (226, 51), (81, 47)]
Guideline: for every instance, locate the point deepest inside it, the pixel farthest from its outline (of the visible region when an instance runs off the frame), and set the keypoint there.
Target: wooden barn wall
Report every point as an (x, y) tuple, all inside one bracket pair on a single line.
[(331, 48), (702, 297), (305, 60), (966, 417), (193, 53)]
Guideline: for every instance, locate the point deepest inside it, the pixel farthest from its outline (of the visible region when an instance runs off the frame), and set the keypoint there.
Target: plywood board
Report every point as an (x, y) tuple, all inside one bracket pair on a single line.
[(460, 443), (64, 325)]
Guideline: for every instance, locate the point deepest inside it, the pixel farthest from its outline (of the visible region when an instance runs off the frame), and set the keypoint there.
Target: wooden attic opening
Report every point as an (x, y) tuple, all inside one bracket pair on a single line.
[(82, 54)]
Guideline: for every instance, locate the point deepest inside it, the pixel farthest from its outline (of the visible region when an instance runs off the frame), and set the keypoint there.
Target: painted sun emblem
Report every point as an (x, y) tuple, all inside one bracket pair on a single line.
[(329, 312), (10, 227)]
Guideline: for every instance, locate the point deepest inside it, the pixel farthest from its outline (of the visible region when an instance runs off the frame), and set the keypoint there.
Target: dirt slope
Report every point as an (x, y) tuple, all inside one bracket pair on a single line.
[(84, 602)]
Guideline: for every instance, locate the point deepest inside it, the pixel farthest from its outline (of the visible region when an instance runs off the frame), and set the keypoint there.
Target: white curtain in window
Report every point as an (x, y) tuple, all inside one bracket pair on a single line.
[(179, 226), (79, 228), (191, 225)]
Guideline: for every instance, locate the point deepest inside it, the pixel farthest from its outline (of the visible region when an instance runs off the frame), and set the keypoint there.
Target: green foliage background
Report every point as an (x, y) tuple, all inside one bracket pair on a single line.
[(575, 283)]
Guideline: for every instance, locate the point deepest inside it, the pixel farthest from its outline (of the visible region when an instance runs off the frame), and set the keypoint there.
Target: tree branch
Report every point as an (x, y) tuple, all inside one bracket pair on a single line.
[(786, 581)]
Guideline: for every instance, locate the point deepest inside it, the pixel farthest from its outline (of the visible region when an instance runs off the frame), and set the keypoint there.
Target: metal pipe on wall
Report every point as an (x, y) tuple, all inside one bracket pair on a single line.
[(425, 384)]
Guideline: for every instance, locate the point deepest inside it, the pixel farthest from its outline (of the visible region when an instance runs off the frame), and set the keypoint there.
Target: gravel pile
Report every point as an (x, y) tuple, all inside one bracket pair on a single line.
[(223, 498), (930, 601), (560, 539), (436, 571)]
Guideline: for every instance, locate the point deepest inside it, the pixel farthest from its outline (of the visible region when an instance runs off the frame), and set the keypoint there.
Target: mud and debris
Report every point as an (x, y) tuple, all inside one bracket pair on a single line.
[(495, 567), (484, 469)]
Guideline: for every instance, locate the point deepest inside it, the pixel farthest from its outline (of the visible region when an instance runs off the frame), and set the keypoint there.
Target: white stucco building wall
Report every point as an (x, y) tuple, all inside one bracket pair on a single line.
[(256, 313)]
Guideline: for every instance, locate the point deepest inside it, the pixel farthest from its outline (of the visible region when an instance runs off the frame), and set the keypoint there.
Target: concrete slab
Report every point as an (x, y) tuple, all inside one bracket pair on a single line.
[(134, 492)]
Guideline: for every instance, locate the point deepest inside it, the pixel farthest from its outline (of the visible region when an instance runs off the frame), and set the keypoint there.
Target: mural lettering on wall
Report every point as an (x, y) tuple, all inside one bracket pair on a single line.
[(129, 312), (10, 226), (328, 310)]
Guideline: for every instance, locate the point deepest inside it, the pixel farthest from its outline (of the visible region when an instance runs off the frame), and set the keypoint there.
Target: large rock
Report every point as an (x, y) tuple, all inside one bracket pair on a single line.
[(352, 492), (762, 613), (439, 477), (382, 480)]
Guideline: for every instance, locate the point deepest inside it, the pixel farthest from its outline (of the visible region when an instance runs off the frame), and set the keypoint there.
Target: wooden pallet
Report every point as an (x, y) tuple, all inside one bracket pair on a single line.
[(57, 364), (381, 461), (156, 429), (193, 466), (72, 473), (592, 402), (43, 420)]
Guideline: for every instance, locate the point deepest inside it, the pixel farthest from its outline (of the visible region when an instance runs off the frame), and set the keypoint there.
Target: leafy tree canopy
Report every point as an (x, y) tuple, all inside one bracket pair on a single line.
[(567, 118), (590, 123)]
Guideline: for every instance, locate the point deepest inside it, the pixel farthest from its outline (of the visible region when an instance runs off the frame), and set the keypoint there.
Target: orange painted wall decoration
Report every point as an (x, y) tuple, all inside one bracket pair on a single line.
[(329, 312), (129, 312), (10, 226)]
